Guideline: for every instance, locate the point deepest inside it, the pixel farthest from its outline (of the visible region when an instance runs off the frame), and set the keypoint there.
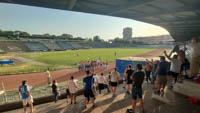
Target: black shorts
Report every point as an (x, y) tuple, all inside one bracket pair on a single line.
[(89, 93), (173, 74), (67, 92), (148, 73), (129, 81), (136, 93), (101, 86), (114, 84), (109, 83)]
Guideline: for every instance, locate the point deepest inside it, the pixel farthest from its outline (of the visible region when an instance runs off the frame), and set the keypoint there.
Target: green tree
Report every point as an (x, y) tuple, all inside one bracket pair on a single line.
[(96, 39)]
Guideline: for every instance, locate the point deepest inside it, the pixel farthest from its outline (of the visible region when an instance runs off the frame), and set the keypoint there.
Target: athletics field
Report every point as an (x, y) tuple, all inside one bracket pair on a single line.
[(40, 61)]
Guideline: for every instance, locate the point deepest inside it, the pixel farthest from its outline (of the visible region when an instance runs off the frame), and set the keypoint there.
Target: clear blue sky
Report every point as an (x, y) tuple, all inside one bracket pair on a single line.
[(37, 20)]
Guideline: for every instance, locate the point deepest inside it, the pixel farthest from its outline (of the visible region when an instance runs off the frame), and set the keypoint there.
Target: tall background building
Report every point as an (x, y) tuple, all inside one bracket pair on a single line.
[(127, 33)]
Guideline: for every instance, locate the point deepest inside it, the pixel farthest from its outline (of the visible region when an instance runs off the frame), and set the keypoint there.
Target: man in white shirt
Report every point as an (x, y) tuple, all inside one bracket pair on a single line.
[(102, 83), (175, 66)]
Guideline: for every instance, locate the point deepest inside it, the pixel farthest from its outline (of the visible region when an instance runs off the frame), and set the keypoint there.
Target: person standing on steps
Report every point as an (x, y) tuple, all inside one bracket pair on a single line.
[(175, 67), (115, 77), (55, 90), (25, 95), (88, 90), (138, 78), (161, 73), (148, 69), (71, 85), (129, 73)]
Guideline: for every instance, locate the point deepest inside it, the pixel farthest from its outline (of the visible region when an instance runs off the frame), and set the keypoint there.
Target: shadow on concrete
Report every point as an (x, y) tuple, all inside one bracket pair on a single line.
[(101, 103)]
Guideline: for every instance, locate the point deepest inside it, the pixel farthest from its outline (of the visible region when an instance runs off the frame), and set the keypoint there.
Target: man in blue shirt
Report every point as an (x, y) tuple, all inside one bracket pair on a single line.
[(88, 82), (161, 73), (25, 95)]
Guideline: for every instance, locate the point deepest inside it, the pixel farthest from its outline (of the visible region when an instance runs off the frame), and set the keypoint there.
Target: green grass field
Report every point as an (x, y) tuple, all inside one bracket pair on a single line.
[(40, 61)]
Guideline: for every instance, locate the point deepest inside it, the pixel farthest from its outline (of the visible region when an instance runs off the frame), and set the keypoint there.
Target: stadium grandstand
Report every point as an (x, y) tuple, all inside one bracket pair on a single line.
[(76, 45), (51, 45), (13, 46), (64, 45), (36, 46)]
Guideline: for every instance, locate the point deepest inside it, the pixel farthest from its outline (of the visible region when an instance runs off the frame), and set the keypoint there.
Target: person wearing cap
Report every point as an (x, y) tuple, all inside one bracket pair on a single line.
[(175, 66), (161, 73)]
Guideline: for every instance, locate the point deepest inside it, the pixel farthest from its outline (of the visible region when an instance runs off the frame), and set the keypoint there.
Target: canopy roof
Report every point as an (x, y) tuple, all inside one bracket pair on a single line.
[(180, 17)]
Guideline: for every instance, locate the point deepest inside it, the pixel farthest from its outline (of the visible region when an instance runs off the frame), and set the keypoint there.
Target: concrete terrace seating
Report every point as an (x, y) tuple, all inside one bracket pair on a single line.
[(105, 103), (36, 46), (64, 45), (51, 45), (76, 45), (13, 46), (85, 45)]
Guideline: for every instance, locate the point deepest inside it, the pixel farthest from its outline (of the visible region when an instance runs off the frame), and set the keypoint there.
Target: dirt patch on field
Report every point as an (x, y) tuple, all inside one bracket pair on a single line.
[(34, 79)]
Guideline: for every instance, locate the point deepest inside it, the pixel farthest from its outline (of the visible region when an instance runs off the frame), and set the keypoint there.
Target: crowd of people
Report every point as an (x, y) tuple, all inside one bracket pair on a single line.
[(91, 65), (156, 72)]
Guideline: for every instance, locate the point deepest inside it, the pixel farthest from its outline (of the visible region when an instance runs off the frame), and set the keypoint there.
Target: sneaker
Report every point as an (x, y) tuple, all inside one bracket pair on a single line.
[(129, 111)]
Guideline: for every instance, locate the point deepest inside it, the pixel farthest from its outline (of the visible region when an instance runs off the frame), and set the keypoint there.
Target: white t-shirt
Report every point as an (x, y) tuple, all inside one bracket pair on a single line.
[(195, 50), (115, 76), (175, 65), (72, 86), (106, 78), (101, 80), (96, 78)]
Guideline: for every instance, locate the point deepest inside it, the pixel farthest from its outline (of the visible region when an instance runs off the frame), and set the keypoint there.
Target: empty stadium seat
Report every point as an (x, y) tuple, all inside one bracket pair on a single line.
[(36, 46)]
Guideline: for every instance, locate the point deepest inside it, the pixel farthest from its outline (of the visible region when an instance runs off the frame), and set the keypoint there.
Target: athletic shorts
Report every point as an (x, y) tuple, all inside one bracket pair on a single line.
[(67, 92), (148, 73), (101, 86), (114, 84), (89, 93), (174, 75), (162, 80), (129, 81), (136, 93), (27, 101)]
